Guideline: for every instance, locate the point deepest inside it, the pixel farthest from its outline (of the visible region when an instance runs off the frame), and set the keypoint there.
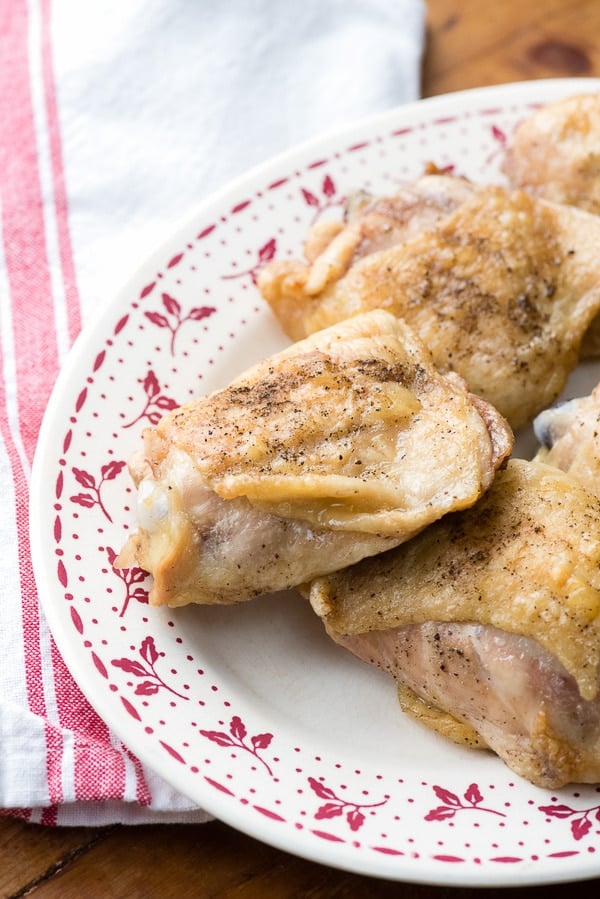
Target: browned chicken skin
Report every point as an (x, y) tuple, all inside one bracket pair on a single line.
[(490, 622), (501, 290), (554, 153), (373, 223), (339, 447)]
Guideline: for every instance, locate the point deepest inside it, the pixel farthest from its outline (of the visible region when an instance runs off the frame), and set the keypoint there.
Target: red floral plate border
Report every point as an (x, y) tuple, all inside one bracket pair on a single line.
[(251, 711)]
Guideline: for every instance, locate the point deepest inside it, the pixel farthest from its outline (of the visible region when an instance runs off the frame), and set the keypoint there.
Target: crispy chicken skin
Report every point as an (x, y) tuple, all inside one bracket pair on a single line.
[(501, 291), (373, 223), (554, 153), (339, 447), (490, 622)]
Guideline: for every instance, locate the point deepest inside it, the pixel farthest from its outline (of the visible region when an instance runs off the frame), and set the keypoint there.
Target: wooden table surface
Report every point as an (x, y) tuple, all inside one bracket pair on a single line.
[(470, 43)]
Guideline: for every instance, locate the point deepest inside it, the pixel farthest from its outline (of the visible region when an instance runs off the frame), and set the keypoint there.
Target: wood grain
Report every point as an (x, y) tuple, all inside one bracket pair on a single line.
[(29, 854), (471, 46), (470, 43)]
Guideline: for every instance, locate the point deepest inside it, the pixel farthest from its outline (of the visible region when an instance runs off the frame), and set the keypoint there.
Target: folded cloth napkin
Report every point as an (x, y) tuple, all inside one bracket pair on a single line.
[(117, 118)]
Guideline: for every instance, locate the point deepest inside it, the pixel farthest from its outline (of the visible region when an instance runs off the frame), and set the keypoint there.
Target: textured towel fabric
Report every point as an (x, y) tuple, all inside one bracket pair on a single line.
[(117, 118)]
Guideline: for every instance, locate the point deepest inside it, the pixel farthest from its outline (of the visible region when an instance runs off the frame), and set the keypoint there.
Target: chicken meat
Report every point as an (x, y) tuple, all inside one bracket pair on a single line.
[(341, 446), (554, 152), (373, 223), (569, 437), (501, 290), (489, 620)]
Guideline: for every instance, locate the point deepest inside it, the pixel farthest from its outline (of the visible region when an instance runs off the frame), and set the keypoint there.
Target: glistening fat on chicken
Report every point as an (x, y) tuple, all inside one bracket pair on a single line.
[(341, 446), (501, 290), (490, 622)]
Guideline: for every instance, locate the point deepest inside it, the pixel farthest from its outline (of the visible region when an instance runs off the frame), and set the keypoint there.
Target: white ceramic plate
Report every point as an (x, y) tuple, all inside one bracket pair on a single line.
[(250, 710)]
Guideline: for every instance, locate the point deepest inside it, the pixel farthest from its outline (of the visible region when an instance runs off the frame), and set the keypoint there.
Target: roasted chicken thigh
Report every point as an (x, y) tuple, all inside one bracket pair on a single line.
[(554, 152), (372, 223), (569, 436), (341, 446), (490, 622), (501, 290)]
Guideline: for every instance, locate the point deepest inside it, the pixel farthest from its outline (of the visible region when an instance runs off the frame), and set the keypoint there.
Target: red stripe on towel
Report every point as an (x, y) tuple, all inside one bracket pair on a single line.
[(58, 179), (32, 315), (99, 770)]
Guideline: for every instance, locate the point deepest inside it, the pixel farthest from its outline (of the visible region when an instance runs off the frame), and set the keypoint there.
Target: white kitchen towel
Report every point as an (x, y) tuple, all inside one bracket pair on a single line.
[(116, 119)]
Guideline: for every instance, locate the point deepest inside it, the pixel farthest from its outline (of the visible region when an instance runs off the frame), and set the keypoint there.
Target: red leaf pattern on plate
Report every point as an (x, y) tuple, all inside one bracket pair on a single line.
[(151, 385), (330, 198), (309, 198), (452, 803), (557, 811), (84, 478), (132, 578), (335, 806), (501, 141), (152, 682), (236, 738), (355, 819), (261, 741), (267, 251), (330, 810), (171, 305), (161, 321), (93, 497), (130, 666), (175, 318), (199, 312), (321, 790), (581, 822), (238, 728), (148, 688), (265, 254), (473, 795), (156, 404), (328, 186), (148, 651)]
